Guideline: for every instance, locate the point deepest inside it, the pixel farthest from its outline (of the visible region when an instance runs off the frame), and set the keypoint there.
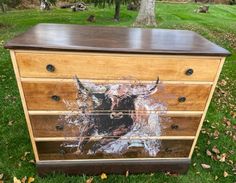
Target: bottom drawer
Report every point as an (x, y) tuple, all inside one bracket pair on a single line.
[(111, 148)]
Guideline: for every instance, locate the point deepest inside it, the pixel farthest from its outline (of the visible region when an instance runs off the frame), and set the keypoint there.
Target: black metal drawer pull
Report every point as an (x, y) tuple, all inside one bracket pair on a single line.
[(189, 72), (50, 68), (174, 126), (55, 98), (182, 99), (60, 127)]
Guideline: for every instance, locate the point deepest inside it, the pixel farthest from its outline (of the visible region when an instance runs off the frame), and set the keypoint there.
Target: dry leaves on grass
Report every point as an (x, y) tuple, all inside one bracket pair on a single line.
[(103, 176), (216, 134), (226, 174), (30, 180), (15, 180), (205, 166), (208, 153), (23, 180), (127, 173), (215, 150), (90, 180), (223, 157), (24, 157)]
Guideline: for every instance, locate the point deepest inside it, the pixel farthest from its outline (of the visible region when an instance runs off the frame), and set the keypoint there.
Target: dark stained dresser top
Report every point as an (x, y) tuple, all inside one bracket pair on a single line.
[(66, 37)]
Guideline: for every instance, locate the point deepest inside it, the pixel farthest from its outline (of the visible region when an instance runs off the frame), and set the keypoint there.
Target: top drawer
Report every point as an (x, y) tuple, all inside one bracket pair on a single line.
[(116, 66)]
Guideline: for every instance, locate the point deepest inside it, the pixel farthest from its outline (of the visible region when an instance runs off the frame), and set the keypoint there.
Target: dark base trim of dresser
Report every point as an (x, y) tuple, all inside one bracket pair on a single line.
[(96, 167)]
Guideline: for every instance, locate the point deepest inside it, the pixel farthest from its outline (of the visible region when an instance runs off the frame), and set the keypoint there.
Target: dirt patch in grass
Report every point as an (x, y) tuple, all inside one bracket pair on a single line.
[(3, 26)]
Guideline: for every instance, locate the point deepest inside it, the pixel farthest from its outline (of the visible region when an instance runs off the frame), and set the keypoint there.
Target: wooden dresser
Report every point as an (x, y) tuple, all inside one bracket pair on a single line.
[(111, 99)]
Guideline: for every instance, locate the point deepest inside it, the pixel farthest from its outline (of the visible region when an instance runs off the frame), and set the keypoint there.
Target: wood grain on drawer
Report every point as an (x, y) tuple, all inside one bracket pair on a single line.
[(56, 126), (39, 96), (56, 151), (116, 66)]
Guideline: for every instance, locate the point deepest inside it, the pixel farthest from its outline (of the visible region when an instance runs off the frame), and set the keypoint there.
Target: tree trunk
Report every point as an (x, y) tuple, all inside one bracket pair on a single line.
[(2, 7), (117, 10), (146, 15)]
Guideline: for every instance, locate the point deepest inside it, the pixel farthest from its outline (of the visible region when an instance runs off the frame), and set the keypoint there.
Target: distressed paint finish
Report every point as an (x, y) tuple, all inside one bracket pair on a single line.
[(122, 103)]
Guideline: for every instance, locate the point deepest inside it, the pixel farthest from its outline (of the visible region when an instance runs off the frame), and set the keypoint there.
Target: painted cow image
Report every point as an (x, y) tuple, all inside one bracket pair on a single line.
[(116, 105)]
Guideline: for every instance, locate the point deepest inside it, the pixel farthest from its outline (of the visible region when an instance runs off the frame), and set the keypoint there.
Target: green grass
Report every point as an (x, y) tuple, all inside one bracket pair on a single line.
[(219, 25)]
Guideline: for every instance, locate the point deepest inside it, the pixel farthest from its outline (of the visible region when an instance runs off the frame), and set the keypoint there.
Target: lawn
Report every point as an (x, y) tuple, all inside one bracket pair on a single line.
[(219, 130)]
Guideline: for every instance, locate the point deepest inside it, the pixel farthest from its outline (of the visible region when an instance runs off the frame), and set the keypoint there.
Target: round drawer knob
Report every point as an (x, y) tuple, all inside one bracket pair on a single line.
[(55, 98), (182, 99), (189, 72), (174, 126), (50, 68), (60, 127)]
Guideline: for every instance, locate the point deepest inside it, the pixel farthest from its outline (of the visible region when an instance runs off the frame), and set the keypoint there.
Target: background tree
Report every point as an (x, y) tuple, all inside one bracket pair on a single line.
[(117, 3), (146, 15)]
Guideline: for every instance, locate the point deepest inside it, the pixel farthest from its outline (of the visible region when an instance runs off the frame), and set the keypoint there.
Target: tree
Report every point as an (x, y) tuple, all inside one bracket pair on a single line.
[(2, 5), (109, 2), (146, 15)]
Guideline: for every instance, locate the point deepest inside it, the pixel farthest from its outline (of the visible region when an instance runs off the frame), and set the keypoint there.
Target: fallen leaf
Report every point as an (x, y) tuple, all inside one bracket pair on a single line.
[(103, 176), (1, 175), (15, 180), (205, 166), (208, 153), (23, 180), (127, 173), (216, 177), (215, 150), (228, 123), (222, 158), (31, 161), (233, 114), (26, 153), (1, 181), (231, 162), (223, 82), (10, 123), (171, 174), (30, 179), (234, 137), (215, 157), (226, 174), (90, 180), (23, 158), (216, 133)]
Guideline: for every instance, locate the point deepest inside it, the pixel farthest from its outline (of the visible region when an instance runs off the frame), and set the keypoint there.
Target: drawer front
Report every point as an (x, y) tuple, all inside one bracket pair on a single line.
[(52, 96), (58, 126), (59, 150), (116, 66)]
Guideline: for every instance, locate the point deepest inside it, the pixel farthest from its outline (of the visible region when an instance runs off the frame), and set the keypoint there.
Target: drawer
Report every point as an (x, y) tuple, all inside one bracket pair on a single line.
[(58, 126), (59, 150), (116, 66), (54, 95)]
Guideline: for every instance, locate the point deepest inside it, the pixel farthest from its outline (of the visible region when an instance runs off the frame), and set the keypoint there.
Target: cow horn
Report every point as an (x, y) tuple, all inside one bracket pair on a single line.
[(154, 87), (150, 91), (81, 86)]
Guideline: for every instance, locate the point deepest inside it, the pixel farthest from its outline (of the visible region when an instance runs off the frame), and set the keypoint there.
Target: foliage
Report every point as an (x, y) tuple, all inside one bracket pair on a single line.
[(232, 2), (10, 3), (102, 3), (14, 138)]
